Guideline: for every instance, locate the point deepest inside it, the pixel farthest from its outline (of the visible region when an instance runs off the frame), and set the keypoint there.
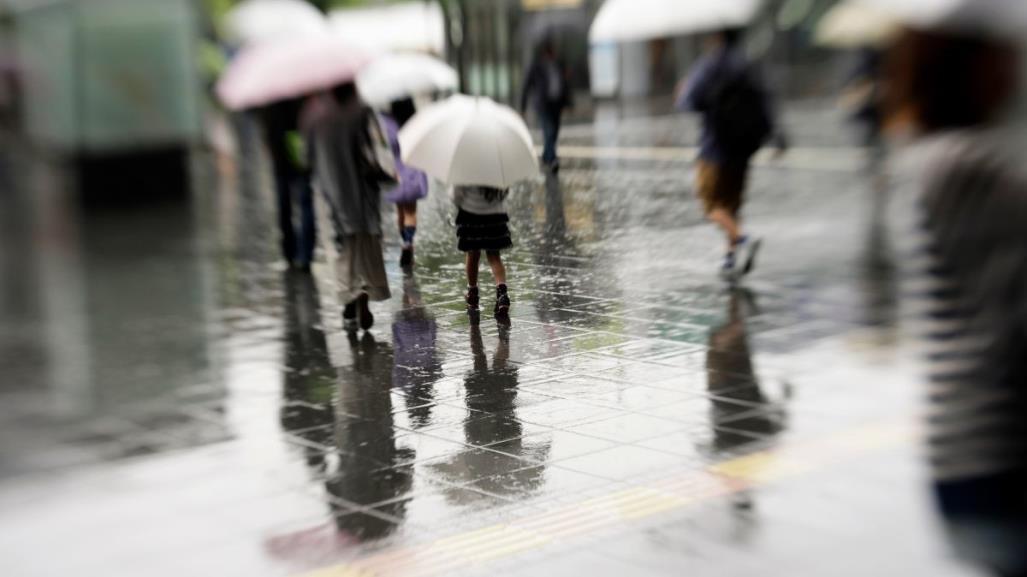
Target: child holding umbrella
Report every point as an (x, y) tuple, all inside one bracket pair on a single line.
[(482, 149)]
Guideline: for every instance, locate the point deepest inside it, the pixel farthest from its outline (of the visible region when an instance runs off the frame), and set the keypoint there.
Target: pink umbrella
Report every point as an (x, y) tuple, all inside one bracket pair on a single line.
[(270, 72)]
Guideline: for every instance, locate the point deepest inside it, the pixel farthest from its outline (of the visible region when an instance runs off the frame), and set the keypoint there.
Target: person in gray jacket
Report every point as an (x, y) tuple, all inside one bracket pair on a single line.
[(352, 163)]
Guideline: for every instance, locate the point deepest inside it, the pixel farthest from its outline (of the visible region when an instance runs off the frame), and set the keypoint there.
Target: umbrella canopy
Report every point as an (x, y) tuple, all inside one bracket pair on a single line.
[(852, 24), (467, 141), (262, 20), (275, 71), (635, 20), (993, 18), (396, 27), (402, 75)]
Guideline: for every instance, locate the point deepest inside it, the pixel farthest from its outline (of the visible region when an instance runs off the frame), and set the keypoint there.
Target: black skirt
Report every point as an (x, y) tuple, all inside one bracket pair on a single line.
[(488, 232)]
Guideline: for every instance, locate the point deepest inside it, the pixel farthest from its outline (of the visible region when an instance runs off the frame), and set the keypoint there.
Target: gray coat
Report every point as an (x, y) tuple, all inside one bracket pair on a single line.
[(352, 161)]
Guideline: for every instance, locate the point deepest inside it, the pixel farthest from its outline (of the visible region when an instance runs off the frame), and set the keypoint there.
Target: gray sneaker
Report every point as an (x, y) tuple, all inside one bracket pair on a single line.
[(752, 249)]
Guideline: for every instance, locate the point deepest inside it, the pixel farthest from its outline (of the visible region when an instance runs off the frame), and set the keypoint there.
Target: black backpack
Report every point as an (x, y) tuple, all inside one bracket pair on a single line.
[(738, 114)]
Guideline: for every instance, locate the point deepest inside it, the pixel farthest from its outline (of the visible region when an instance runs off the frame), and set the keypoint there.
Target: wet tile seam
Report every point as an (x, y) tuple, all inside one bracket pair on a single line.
[(594, 514)]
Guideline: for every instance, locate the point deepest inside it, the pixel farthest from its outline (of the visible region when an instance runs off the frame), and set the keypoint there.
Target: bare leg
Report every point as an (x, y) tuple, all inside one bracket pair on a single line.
[(399, 218), (728, 223), (472, 259), (498, 269), (408, 212)]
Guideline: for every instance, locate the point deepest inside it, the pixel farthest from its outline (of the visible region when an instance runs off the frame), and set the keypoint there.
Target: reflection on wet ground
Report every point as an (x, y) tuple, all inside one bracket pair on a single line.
[(175, 403)]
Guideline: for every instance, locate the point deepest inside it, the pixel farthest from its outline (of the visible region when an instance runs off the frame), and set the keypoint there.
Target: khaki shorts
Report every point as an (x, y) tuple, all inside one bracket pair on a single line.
[(720, 186)]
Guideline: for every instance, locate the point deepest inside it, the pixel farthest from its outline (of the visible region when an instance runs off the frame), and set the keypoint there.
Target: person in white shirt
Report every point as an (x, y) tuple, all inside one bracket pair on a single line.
[(482, 224)]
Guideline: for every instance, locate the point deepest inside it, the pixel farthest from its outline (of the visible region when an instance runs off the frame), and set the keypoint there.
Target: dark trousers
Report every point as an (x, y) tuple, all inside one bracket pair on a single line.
[(297, 242), (986, 518), (550, 120)]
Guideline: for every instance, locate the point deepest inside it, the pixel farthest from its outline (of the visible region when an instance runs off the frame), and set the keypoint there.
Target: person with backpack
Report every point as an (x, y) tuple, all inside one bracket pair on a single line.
[(352, 163), (736, 121)]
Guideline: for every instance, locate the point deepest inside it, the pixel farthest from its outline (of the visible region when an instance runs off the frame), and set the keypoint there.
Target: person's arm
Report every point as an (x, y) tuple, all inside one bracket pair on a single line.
[(777, 132), (529, 85), (567, 97), (693, 92), (377, 152)]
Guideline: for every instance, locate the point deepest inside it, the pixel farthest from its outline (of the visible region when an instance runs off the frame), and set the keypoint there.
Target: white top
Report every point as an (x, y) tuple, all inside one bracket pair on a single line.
[(480, 199)]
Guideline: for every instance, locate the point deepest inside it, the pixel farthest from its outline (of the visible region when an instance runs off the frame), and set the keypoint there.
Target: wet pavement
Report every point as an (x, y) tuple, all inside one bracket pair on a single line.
[(175, 403)]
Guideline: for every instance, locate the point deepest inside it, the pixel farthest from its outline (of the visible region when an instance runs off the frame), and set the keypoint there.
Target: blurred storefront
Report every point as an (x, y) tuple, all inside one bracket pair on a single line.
[(492, 42), (114, 85)]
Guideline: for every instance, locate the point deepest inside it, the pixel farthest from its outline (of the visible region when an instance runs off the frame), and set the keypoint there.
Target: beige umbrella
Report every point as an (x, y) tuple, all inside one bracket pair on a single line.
[(853, 24), (637, 20), (253, 21)]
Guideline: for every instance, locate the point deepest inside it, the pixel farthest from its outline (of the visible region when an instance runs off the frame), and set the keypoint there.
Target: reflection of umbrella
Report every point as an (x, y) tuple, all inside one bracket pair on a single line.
[(634, 20), (402, 75), (261, 20), (852, 24), (276, 71), (470, 142)]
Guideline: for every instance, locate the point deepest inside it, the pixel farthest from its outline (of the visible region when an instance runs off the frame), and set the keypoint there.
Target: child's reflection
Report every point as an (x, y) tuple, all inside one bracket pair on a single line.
[(418, 365), (491, 395)]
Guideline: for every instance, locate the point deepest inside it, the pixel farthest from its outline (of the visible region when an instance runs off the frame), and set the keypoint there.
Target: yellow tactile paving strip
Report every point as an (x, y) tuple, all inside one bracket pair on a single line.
[(495, 542)]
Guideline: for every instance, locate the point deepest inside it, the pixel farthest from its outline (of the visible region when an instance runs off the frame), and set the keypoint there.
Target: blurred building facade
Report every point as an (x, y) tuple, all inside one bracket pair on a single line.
[(112, 85), (491, 43)]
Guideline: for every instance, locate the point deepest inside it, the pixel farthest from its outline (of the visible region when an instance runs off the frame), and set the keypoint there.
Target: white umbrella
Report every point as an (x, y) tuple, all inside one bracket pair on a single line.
[(263, 20), (634, 20), (402, 75), (396, 27), (468, 141), (851, 24)]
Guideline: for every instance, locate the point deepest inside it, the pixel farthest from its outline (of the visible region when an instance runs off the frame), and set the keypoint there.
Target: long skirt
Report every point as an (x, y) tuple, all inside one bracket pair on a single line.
[(359, 268)]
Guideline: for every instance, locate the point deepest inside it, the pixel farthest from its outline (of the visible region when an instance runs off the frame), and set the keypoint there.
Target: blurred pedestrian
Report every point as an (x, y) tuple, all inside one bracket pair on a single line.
[(737, 119), (292, 183), (482, 224), (862, 95), (949, 85), (413, 184), (547, 89), (353, 163)]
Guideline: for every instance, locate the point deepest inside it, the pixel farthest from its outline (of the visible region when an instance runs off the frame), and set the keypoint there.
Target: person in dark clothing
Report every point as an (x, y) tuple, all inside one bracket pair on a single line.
[(862, 97), (547, 90), (292, 183), (736, 119)]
